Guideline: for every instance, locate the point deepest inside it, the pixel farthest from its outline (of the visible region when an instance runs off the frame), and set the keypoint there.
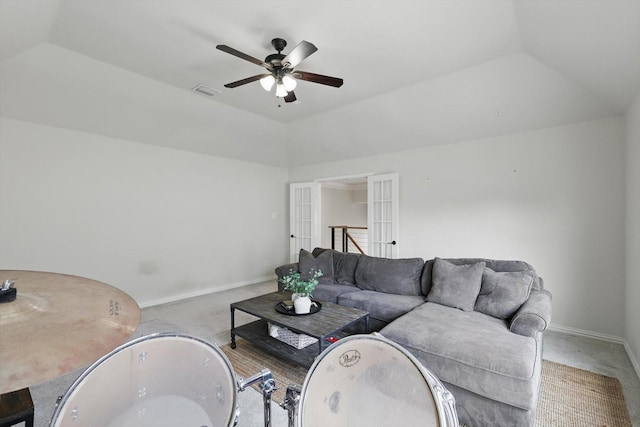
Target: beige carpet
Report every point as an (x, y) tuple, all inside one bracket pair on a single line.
[(569, 397)]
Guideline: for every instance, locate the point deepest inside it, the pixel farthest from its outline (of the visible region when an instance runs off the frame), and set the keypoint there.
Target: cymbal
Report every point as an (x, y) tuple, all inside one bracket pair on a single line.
[(59, 323)]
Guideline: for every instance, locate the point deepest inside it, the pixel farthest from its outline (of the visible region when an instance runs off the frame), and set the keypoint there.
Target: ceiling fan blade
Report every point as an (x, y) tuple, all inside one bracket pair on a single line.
[(291, 97), (318, 78), (244, 56), (298, 54), (245, 81)]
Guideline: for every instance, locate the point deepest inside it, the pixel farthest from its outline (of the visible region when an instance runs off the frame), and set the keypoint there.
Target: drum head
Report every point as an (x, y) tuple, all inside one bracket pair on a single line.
[(158, 380), (367, 380)]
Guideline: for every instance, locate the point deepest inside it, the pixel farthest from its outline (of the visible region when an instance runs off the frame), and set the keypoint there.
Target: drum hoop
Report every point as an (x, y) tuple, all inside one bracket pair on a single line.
[(443, 402), (88, 371)]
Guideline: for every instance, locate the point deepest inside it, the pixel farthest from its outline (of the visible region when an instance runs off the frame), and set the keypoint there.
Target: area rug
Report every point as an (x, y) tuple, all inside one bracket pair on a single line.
[(248, 359), (569, 397), (575, 397)]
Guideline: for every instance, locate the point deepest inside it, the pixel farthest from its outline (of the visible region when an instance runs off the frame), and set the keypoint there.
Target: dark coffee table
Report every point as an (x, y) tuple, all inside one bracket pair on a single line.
[(330, 321)]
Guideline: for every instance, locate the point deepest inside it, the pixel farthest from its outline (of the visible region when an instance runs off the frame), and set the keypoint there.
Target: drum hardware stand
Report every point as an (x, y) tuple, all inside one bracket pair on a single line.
[(291, 399), (268, 386)]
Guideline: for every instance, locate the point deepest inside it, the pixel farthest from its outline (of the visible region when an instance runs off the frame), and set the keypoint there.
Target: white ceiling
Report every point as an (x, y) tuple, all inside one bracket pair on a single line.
[(534, 63)]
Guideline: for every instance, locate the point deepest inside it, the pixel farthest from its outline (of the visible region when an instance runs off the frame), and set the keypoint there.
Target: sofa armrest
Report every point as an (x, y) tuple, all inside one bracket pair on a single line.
[(284, 270), (534, 316)]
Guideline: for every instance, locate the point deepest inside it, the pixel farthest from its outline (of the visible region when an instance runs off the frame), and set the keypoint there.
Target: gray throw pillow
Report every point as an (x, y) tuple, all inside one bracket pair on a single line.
[(307, 264), (455, 286), (503, 293), (344, 265)]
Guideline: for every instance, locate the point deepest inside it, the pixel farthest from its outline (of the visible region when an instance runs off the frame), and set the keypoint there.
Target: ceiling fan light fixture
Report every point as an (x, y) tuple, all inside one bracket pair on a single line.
[(267, 82), (281, 90), (289, 83), (281, 69)]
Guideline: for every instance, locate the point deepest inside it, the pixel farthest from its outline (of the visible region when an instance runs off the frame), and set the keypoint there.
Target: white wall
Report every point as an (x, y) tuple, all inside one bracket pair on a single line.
[(552, 197), (633, 233), (155, 222)]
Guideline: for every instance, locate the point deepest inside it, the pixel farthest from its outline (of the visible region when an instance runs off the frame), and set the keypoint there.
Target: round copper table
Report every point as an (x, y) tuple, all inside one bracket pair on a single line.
[(59, 323)]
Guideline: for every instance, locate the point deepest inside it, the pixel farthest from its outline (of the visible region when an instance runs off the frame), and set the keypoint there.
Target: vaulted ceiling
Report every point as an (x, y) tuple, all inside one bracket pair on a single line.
[(469, 68)]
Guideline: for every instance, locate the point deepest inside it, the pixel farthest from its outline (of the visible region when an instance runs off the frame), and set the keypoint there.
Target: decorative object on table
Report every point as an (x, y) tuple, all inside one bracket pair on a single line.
[(301, 288), (7, 291), (281, 308)]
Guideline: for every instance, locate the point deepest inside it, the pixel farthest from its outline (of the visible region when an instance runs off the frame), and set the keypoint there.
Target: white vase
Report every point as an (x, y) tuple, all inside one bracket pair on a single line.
[(302, 305)]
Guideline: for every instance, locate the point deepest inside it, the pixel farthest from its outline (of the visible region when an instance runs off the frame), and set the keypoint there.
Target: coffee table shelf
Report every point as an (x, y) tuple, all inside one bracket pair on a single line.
[(257, 333), (330, 321)]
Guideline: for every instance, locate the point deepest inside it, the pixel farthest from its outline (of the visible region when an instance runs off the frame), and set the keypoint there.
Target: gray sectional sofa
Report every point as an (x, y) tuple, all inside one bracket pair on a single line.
[(477, 324)]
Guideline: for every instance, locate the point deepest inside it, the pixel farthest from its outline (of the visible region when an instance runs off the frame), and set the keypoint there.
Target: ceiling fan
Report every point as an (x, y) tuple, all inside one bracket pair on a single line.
[(280, 69)]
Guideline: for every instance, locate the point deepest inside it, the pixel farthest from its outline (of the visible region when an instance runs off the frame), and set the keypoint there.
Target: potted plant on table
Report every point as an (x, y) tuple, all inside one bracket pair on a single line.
[(302, 289)]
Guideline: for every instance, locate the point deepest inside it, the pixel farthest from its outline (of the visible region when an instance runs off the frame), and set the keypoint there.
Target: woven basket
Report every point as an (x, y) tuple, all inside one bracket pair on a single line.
[(286, 336)]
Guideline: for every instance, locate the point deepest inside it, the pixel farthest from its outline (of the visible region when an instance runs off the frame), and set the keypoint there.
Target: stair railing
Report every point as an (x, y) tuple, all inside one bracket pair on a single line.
[(346, 237)]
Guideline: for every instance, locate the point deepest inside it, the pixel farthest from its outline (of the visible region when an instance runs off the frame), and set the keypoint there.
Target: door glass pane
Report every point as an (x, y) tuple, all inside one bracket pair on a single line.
[(387, 190), (383, 212)]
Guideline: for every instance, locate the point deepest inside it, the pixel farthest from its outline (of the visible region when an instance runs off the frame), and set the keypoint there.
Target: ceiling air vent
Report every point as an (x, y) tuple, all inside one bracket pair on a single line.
[(206, 90)]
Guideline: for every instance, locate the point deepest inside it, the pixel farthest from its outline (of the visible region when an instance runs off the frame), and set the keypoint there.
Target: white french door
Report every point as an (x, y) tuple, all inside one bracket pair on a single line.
[(382, 217), (304, 217)]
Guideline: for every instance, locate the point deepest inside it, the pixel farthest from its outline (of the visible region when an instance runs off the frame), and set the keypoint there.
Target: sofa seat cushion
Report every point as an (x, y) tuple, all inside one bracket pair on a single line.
[(472, 351), (381, 306), (393, 276), (326, 292)]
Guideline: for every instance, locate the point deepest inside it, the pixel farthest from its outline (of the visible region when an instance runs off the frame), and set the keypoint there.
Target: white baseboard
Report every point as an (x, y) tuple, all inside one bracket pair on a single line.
[(201, 292), (632, 357), (603, 337), (588, 334)]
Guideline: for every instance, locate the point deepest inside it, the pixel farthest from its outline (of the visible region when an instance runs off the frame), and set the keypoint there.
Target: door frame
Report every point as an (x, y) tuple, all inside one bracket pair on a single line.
[(317, 194)]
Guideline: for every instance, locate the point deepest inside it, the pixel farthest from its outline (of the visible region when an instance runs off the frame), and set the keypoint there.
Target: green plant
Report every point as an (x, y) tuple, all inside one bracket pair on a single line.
[(293, 282)]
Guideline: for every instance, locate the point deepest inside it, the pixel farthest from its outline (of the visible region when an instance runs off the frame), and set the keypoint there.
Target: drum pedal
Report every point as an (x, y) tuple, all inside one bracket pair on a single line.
[(290, 404), (267, 385)]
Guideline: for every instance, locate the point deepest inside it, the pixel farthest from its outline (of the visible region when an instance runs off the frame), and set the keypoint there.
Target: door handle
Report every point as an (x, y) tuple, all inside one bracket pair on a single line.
[(292, 236), (393, 242)]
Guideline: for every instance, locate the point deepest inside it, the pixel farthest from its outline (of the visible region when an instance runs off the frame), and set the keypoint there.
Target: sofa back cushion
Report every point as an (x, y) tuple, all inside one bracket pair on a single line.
[(344, 265), (502, 293), (454, 285), (392, 276)]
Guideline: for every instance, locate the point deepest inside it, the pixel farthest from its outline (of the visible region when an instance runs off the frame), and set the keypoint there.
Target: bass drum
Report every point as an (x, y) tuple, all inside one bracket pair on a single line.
[(157, 380), (368, 380)]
